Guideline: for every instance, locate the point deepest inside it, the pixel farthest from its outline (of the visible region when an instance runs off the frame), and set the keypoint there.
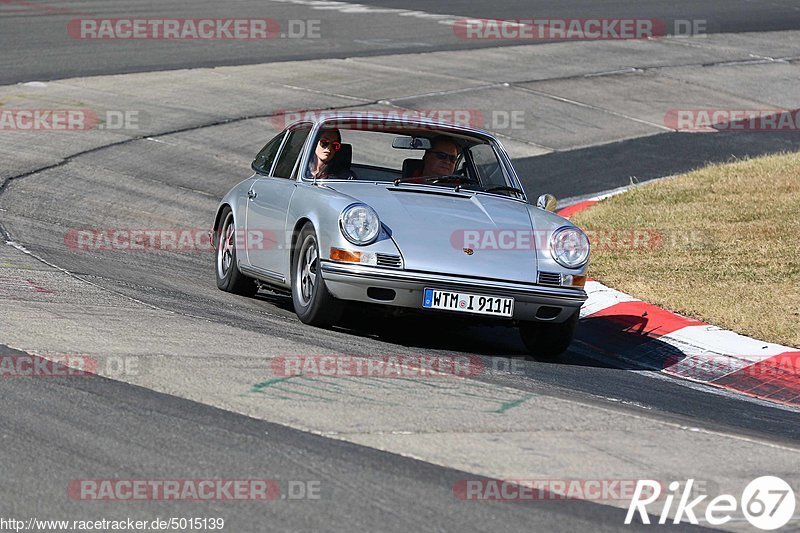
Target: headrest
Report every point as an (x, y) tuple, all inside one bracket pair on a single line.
[(412, 166), (342, 159)]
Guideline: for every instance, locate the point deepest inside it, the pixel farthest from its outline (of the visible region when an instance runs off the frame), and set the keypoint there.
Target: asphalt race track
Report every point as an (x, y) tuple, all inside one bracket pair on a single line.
[(387, 456), (35, 52), (160, 436)]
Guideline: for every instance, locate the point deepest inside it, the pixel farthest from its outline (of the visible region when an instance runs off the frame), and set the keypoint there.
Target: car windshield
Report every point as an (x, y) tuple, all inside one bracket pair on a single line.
[(410, 156)]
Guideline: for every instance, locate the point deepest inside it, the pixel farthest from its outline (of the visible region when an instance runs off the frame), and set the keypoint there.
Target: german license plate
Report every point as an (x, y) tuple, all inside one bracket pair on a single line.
[(481, 304)]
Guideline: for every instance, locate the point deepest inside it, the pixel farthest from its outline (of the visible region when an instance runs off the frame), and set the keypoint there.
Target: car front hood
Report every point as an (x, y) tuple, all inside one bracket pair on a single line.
[(463, 233)]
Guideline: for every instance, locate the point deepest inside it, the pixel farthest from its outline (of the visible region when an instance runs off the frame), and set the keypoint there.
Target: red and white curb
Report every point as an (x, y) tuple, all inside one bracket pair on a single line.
[(654, 338)]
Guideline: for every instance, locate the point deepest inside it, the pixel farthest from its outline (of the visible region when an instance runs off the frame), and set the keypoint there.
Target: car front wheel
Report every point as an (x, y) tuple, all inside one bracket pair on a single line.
[(548, 340), (313, 303)]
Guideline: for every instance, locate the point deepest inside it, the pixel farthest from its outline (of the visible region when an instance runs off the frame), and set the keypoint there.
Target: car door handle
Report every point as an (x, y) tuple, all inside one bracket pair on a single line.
[(251, 194)]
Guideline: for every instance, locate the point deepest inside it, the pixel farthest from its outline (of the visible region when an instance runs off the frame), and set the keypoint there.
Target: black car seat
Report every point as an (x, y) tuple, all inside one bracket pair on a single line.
[(340, 164), (412, 167)]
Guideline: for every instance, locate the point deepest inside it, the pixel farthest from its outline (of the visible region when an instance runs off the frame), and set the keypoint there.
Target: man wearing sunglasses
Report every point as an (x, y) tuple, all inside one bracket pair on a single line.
[(440, 159)]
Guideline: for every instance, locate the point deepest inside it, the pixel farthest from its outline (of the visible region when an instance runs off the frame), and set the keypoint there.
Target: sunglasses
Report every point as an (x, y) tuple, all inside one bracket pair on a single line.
[(443, 156), (335, 145)]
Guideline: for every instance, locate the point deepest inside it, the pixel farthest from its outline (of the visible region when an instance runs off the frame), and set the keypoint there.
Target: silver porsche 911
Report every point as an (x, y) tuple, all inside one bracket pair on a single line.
[(411, 214)]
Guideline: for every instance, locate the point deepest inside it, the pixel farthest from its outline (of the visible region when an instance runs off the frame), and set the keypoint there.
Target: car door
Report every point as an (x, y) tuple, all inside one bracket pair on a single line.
[(267, 205)]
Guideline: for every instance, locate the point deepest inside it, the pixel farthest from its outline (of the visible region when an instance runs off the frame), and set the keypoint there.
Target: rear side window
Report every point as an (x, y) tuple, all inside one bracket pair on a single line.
[(263, 161), (291, 151)]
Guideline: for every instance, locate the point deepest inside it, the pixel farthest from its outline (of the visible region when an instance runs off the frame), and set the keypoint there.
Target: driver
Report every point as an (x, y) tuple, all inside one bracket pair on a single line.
[(440, 159)]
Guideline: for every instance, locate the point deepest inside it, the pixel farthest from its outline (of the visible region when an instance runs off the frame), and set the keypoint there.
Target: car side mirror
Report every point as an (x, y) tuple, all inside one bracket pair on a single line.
[(547, 202)]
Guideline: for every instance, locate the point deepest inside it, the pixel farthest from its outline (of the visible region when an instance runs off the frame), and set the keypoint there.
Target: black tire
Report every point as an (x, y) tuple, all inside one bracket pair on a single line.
[(548, 340), (313, 304), (229, 278)]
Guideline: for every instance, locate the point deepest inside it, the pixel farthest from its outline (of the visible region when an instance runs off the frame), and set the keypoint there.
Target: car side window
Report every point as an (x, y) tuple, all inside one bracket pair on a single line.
[(263, 161), (490, 171), (291, 151)]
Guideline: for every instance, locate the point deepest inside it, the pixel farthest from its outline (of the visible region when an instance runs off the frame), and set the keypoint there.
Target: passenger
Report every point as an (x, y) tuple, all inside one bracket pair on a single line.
[(330, 142)]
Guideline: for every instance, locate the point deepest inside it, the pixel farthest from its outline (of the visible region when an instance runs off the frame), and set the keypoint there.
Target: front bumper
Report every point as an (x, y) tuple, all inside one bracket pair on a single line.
[(531, 301)]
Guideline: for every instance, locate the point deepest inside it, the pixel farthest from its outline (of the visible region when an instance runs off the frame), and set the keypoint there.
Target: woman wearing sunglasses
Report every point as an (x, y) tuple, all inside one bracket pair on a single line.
[(329, 143)]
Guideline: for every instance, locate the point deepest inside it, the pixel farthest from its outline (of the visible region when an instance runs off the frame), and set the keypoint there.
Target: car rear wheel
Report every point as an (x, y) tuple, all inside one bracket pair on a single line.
[(229, 278), (313, 303), (548, 340)]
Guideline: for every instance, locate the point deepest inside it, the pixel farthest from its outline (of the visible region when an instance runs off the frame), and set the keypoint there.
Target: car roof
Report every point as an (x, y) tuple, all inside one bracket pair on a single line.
[(399, 122)]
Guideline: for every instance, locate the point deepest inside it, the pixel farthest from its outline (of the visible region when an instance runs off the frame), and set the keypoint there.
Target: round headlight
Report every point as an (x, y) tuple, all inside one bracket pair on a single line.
[(360, 224), (569, 246)]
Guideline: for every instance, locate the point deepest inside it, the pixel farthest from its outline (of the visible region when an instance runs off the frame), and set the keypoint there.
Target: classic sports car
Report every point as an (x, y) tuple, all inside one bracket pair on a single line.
[(411, 214)]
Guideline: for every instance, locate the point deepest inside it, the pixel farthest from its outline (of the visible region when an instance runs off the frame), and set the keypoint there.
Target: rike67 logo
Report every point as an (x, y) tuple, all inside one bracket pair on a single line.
[(768, 503)]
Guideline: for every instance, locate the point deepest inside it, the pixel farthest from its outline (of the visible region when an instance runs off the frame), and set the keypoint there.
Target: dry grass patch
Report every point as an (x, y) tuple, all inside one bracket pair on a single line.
[(729, 252)]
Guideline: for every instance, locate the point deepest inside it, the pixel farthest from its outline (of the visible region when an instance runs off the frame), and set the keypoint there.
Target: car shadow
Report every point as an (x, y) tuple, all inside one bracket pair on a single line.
[(281, 301), (622, 342), (625, 342)]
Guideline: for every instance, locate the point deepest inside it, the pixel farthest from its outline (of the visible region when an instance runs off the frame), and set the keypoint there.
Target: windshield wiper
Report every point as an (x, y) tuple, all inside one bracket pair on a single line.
[(505, 188), (437, 179)]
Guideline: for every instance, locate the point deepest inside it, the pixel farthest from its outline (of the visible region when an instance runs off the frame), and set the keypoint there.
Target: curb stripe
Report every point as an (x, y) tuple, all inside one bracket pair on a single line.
[(644, 334), (776, 379), (576, 208), (645, 319)]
